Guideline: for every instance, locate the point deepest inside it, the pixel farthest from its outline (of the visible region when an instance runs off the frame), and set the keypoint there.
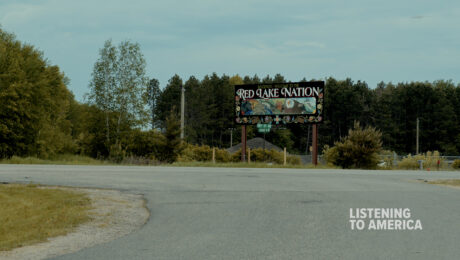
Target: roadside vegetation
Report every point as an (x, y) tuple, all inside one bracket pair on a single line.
[(251, 165), (30, 214), (456, 164), (359, 149), (128, 118), (62, 159)]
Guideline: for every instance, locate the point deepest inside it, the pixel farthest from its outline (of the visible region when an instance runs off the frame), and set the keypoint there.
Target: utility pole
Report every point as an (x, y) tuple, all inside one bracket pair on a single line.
[(182, 109), (416, 141)]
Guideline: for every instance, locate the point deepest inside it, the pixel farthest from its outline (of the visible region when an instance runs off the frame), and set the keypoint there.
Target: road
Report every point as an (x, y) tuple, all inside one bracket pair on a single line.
[(229, 213)]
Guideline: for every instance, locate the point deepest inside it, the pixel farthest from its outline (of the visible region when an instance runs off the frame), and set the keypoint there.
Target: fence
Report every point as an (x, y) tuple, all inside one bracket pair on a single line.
[(449, 159)]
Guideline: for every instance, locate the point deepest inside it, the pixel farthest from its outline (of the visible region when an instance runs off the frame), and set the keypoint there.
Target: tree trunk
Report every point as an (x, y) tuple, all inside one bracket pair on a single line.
[(107, 127)]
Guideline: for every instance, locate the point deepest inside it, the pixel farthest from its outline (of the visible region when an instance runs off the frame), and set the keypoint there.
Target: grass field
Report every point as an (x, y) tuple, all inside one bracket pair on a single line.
[(30, 214)]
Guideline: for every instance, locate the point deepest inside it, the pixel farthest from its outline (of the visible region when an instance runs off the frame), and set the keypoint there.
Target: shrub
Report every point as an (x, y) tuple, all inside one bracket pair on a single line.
[(357, 150), (202, 154), (330, 154), (117, 153), (171, 145), (456, 164), (430, 160), (270, 156), (144, 143)]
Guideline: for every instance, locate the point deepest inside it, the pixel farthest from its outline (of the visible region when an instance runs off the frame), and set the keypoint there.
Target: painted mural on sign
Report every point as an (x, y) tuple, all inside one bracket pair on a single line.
[(300, 102), (278, 106)]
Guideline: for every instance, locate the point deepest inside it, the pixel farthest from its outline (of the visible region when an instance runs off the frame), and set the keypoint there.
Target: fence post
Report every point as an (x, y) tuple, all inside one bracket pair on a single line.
[(284, 156), (214, 155), (249, 154)]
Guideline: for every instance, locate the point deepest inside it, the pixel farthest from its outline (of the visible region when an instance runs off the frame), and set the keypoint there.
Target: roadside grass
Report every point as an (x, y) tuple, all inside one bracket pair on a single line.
[(452, 182), (69, 159), (64, 159), (248, 165), (30, 213)]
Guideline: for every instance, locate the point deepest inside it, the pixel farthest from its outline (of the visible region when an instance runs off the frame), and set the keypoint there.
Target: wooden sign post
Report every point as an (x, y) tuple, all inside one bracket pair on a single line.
[(243, 143), (314, 153)]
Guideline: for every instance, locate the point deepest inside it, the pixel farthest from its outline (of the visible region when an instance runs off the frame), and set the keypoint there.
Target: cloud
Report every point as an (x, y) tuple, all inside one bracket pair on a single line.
[(371, 41)]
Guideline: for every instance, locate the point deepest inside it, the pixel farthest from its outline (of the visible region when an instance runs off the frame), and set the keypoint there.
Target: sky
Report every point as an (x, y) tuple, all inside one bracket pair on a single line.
[(367, 40)]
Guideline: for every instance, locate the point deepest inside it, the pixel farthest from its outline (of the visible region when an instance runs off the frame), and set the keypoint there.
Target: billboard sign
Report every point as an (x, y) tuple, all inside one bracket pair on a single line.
[(279, 103)]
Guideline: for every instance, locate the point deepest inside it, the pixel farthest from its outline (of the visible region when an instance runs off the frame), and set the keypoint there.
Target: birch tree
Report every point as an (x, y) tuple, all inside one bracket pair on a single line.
[(117, 87)]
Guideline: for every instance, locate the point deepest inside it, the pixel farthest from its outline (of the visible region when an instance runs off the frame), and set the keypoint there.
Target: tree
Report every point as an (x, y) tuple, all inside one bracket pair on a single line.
[(171, 143), (357, 150), (34, 102), (153, 93), (169, 99), (117, 87)]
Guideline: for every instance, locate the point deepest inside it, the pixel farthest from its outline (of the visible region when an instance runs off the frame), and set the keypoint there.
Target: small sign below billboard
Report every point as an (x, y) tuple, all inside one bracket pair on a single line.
[(264, 128), (279, 103)]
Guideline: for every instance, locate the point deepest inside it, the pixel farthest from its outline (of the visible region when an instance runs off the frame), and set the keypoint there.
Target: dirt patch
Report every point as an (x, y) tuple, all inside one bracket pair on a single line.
[(115, 214)]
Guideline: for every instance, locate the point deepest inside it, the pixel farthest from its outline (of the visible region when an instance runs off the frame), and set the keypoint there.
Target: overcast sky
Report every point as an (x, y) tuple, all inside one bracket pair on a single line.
[(365, 40)]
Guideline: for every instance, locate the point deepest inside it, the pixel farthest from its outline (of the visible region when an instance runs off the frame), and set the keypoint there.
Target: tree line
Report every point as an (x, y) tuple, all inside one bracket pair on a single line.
[(391, 108), (126, 113)]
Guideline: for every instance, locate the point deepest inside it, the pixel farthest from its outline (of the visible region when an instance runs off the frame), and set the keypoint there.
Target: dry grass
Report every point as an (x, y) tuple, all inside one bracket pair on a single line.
[(63, 159), (453, 182), (31, 214), (249, 165)]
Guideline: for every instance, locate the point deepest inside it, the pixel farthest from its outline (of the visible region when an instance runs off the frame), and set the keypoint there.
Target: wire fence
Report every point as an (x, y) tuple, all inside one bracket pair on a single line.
[(448, 159)]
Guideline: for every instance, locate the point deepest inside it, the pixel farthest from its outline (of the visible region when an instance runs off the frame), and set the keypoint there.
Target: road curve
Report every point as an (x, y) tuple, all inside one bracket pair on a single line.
[(229, 213)]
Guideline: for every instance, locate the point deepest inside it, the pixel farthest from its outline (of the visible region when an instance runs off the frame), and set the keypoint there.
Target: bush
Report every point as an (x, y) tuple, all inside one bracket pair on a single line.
[(144, 144), (202, 154), (357, 150), (270, 156), (171, 145), (456, 164), (430, 160)]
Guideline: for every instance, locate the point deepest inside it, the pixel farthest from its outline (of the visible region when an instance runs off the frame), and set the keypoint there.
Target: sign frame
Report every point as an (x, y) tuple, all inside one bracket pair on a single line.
[(248, 96)]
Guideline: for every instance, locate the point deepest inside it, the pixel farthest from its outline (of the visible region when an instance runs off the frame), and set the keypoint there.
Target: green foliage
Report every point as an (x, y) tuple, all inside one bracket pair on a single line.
[(202, 153), (34, 103), (64, 159), (168, 100), (171, 145), (118, 88), (209, 110), (39, 116), (152, 95), (430, 160), (456, 164), (357, 150), (268, 156), (145, 143)]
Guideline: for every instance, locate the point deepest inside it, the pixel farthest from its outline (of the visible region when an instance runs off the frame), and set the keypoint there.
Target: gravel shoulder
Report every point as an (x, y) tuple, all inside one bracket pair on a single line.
[(115, 214)]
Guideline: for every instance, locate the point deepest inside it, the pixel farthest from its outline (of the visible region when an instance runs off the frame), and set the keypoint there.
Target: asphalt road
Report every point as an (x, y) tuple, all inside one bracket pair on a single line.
[(228, 213)]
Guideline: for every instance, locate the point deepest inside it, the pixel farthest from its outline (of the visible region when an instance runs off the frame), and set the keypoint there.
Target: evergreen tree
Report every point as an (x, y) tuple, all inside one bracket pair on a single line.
[(171, 144), (153, 94)]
